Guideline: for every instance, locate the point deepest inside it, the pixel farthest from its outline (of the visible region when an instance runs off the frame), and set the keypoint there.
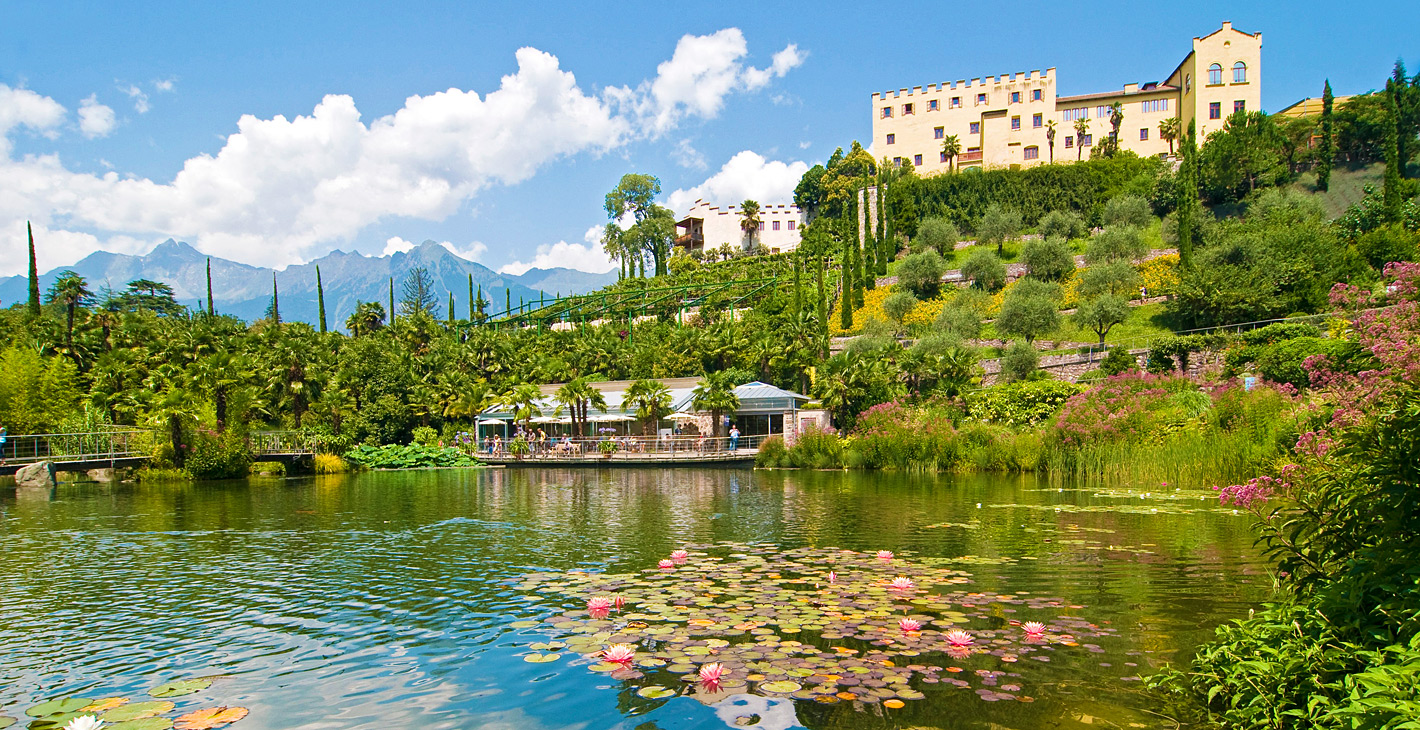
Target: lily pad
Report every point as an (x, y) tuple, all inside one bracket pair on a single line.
[(146, 723), (541, 658), (136, 711), (6, 721), (58, 707), (104, 705), (655, 693), (210, 717), (781, 687), (181, 687), (523, 624)]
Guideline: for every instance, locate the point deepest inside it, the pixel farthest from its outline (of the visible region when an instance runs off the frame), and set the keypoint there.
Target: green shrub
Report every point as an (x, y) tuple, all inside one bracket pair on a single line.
[(985, 269), (329, 464), (1021, 404), (1128, 210), (935, 233), (1062, 224), (268, 468), (218, 456), (1019, 361), (898, 305), (817, 448), (921, 274), (425, 436), (772, 453), (1278, 331), (1049, 259)]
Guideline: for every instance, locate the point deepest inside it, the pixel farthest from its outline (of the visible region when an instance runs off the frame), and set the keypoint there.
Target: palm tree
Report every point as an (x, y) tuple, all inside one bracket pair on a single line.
[(1082, 128), (1050, 138), (368, 317), (218, 374), (750, 222), (652, 401), (1169, 129), (1116, 119), (951, 147), (523, 400), (72, 291), (577, 397), (716, 394)]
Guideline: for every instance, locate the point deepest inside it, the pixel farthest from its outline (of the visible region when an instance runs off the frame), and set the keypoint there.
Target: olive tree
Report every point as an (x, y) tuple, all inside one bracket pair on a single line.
[(1048, 260), (1062, 224), (935, 233), (1123, 243), (1102, 313), (998, 225), (898, 305), (985, 270), (1019, 361), (1030, 309), (921, 274), (1128, 210)]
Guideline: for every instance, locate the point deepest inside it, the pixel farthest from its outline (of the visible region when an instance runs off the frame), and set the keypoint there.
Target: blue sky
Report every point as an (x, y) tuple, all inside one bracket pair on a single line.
[(756, 91)]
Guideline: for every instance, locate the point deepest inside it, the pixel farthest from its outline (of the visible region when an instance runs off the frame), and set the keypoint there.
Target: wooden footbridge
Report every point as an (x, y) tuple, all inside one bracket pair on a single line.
[(126, 447)]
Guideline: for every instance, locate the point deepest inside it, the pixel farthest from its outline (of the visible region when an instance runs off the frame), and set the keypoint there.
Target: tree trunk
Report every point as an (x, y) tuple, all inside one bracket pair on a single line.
[(219, 403), (175, 436)]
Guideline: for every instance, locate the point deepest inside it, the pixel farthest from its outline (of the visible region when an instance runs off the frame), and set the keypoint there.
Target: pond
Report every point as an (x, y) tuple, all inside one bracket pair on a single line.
[(416, 599)]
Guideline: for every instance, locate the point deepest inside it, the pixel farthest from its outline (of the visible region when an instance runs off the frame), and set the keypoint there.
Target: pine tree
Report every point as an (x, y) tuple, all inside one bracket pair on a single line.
[(1326, 152), (320, 299), (1391, 197), (211, 310), (34, 274), (1187, 205), (275, 302)]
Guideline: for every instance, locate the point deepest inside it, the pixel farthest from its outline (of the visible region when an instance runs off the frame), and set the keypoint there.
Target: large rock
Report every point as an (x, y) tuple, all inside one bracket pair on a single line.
[(39, 475), (101, 475)]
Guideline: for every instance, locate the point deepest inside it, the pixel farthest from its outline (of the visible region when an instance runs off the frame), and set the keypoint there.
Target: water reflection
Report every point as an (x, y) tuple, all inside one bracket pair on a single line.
[(383, 599)]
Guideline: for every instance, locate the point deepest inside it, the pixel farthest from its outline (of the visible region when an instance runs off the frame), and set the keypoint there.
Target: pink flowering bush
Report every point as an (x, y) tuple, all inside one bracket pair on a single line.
[(898, 436), (1117, 409)]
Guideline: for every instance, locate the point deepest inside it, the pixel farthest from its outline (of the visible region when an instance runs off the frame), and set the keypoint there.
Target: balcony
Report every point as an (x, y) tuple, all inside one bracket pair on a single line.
[(690, 241), (968, 157)]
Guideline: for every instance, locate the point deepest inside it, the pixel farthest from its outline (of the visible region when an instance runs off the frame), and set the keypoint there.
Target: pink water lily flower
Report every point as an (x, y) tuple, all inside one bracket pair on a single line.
[(711, 674), (901, 583), (832, 577), (599, 606), (1034, 628), (619, 654), (666, 564), (959, 638), (911, 626), (619, 602), (680, 556), (884, 555)]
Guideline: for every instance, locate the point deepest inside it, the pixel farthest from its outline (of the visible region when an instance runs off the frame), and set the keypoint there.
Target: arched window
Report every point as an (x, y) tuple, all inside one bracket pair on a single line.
[(1239, 73), (1215, 74)]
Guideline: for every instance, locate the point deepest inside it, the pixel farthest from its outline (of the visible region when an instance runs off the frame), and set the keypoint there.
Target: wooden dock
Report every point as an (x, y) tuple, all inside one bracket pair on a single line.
[(741, 457)]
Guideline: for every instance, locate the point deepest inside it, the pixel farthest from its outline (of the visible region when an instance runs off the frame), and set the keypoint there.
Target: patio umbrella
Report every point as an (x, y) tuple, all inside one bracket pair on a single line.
[(611, 418), (682, 416)]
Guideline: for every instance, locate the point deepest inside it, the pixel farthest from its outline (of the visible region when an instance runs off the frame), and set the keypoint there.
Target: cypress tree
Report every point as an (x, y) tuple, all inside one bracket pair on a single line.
[(320, 299), (845, 286), (451, 309), (1326, 153), (1187, 204), (1404, 121), (34, 274), (211, 310), (479, 302), (275, 302), (1391, 198), (821, 301), (864, 242), (471, 301), (798, 282), (391, 300), (507, 301)]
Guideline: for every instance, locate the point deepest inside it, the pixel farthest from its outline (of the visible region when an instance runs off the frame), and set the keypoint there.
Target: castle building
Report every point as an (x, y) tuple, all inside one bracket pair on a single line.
[(707, 226), (1002, 121)]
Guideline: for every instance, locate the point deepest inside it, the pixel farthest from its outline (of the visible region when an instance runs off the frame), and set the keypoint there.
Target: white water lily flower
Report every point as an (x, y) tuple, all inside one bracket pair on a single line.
[(86, 722)]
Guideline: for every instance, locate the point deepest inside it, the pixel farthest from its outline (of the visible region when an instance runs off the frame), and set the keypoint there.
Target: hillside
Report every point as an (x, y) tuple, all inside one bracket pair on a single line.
[(348, 278)]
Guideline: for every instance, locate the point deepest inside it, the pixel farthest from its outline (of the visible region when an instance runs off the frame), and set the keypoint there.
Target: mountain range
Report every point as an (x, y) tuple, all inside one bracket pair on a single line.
[(348, 278)]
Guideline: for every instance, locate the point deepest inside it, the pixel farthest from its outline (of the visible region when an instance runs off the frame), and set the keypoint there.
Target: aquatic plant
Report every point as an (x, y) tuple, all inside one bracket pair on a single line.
[(959, 638), (1034, 628), (884, 555), (679, 556), (710, 676), (599, 606), (902, 583), (84, 722), (909, 625), (666, 564), (619, 654), (118, 713)]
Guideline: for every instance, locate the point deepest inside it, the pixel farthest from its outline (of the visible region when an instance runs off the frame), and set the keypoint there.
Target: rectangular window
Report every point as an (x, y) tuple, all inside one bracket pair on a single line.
[(1032, 153), (1087, 140), (932, 105), (1215, 110), (791, 225), (1239, 106), (975, 128), (1015, 97), (1035, 95), (1069, 142), (906, 109), (1101, 112), (1073, 114), (1015, 124), (776, 225), (897, 162), (892, 139), (956, 102), (761, 225), (938, 133), (1157, 105), (944, 156), (980, 98), (1239, 73), (1144, 134), (1037, 121), (887, 112), (917, 160)]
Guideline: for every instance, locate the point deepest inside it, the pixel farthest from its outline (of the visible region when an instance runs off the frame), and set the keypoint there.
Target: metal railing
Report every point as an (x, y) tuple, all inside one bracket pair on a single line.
[(97, 446), (668, 447), (283, 443)]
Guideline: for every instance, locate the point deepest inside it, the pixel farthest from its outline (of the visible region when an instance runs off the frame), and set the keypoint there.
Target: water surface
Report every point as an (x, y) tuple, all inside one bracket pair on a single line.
[(384, 600)]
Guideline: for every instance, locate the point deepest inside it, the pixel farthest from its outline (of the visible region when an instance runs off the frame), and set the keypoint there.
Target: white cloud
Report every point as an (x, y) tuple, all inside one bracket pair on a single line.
[(782, 63), (95, 119), (587, 256), (687, 156), (473, 252), (395, 245), (25, 108), (805, 145), (139, 97), (280, 191), (163, 85), (746, 176)]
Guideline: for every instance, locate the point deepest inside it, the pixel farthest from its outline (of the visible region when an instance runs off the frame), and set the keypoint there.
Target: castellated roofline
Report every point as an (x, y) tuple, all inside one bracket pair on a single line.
[(1036, 75)]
